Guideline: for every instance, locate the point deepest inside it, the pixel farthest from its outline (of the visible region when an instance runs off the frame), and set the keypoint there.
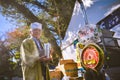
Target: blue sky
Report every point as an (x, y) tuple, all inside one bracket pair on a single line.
[(95, 13), (5, 25)]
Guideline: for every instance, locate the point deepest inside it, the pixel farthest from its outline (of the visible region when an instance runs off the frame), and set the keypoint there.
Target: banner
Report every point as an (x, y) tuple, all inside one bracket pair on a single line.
[(68, 49)]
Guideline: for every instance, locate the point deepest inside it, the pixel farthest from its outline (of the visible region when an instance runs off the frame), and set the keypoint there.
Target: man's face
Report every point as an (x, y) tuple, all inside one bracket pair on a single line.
[(36, 33)]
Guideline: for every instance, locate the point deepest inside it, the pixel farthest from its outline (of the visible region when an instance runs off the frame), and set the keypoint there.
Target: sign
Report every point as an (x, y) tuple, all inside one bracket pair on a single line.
[(111, 20), (92, 56)]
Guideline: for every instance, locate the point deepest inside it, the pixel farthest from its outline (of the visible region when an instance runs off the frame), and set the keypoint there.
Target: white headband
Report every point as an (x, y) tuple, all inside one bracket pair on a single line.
[(36, 25)]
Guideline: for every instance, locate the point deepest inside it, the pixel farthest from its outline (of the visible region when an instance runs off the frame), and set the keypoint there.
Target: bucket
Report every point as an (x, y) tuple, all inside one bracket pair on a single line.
[(71, 69), (56, 74), (66, 61), (76, 78)]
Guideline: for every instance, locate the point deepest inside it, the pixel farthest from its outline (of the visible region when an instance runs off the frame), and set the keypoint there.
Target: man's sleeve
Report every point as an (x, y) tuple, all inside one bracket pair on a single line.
[(29, 54)]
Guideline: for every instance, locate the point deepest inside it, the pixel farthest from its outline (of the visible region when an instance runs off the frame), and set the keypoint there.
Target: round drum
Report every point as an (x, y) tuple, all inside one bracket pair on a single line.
[(92, 57)]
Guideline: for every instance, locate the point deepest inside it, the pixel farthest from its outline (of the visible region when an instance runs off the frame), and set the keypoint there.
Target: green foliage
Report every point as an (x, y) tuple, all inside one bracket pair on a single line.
[(5, 63), (53, 14), (17, 55)]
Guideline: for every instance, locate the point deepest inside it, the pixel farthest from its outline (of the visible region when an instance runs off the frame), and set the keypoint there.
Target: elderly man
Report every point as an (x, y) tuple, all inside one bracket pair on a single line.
[(34, 62)]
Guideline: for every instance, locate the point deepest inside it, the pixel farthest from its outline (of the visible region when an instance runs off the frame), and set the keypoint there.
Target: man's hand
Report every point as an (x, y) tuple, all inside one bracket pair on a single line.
[(44, 59)]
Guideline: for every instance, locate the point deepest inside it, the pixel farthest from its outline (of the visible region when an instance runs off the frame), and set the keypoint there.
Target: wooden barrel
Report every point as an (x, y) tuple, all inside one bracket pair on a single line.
[(71, 69), (66, 61), (92, 57), (56, 74)]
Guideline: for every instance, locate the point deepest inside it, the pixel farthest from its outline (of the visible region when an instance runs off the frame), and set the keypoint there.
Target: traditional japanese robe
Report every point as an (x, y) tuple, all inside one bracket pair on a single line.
[(31, 66)]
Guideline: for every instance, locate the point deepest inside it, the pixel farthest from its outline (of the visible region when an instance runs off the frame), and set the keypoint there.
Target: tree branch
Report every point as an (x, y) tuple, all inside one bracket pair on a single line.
[(29, 15)]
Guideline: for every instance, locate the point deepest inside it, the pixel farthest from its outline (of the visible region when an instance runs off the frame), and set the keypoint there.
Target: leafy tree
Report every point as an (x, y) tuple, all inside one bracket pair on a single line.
[(10, 52), (53, 14), (44, 11), (6, 65)]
